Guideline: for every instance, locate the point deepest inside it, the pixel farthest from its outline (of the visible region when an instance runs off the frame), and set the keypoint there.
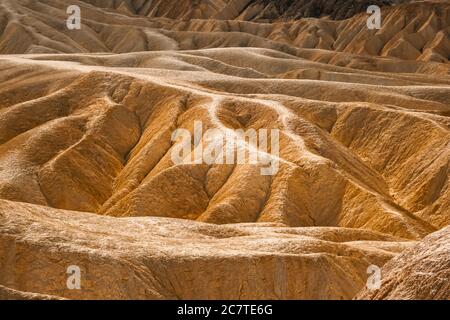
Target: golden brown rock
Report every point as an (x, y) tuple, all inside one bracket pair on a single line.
[(421, 272), (160, 258), (87, 176)]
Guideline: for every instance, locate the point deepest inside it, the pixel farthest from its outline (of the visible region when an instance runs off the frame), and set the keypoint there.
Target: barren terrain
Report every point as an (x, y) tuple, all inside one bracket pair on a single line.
[(87, 177)]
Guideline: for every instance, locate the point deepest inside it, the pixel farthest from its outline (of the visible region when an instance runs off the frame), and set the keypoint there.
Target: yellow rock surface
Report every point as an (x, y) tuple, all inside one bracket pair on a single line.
[(87, 177)]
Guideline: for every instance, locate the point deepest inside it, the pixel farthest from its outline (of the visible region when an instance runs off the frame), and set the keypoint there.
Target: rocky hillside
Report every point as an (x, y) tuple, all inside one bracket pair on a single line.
[(248, 10), (409, 32), (88, 177)]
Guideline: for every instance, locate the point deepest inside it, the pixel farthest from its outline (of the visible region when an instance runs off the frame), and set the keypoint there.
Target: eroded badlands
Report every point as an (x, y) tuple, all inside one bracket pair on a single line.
[(87, 178)]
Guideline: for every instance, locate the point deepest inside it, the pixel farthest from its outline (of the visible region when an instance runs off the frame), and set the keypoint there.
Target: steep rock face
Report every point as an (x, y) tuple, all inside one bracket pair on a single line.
[(421, 272)]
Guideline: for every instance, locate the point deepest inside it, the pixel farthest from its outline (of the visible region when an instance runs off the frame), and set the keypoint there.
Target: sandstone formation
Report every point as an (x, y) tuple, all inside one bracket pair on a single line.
[(421, 272), (247, 10), (160, 258), (87, 176), (415, 31)]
